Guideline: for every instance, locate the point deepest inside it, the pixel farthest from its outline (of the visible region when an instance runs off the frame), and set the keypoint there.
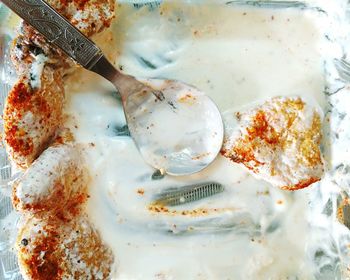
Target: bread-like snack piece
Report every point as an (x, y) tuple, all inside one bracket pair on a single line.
[(89, 16), (56, 182), (50, 249), (279, 142), (33, 110), (32, 115)]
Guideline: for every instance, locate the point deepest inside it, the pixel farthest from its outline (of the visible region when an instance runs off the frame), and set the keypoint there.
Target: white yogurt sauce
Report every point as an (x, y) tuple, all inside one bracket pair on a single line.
[(237, 56), (37, 70)]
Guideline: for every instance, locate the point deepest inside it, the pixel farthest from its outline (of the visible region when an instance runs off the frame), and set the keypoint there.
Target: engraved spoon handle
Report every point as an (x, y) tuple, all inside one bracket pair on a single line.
[(57, 30)]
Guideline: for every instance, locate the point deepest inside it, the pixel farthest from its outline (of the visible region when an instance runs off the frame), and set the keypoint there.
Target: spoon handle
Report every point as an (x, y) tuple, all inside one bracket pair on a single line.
[(57, 30)]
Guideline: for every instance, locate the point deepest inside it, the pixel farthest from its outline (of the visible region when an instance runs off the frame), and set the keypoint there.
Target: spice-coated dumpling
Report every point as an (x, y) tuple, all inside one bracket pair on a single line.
[(55, 182), (279, 142), (49, 248), (32, 115)]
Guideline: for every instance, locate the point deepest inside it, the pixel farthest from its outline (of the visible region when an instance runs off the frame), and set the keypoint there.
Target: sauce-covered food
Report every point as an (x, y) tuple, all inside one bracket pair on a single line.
[(273, 205)]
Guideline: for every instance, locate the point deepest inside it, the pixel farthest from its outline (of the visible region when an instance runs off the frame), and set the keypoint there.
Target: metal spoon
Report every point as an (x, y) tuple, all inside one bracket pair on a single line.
[(176, 127)]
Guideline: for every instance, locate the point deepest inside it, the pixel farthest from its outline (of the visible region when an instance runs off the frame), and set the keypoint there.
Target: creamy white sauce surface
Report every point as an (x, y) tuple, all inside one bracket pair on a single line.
[(37, 70), (238, 56)]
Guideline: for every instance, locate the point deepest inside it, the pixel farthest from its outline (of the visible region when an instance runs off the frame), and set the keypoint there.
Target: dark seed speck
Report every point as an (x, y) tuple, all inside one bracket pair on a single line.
[(24, 242)]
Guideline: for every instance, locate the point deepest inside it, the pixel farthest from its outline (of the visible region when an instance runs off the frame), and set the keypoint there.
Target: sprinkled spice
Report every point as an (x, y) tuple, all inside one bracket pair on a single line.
[(277, 129), (198, 212), (141, 191)]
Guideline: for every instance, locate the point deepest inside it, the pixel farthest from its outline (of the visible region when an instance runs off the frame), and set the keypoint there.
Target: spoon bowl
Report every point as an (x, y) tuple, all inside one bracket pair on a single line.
[(176, 127)]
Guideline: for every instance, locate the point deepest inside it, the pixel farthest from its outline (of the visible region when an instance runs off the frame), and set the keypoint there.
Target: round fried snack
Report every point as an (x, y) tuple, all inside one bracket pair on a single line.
[(89, 16), (32, 116), (279, 141), (55, 182), (50, 249)]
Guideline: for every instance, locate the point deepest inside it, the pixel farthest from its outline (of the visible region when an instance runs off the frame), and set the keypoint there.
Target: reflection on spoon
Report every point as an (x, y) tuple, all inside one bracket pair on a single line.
[(176, 127)]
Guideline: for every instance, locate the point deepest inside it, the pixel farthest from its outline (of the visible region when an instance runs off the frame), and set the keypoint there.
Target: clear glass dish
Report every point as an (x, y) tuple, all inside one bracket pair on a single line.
[(331, 262)]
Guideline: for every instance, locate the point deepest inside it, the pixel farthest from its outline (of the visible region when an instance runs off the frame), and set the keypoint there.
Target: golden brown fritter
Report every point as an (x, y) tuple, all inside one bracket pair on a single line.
[(32, 115), (50, 249), (279, 141), (89, 16), (55, 182)]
